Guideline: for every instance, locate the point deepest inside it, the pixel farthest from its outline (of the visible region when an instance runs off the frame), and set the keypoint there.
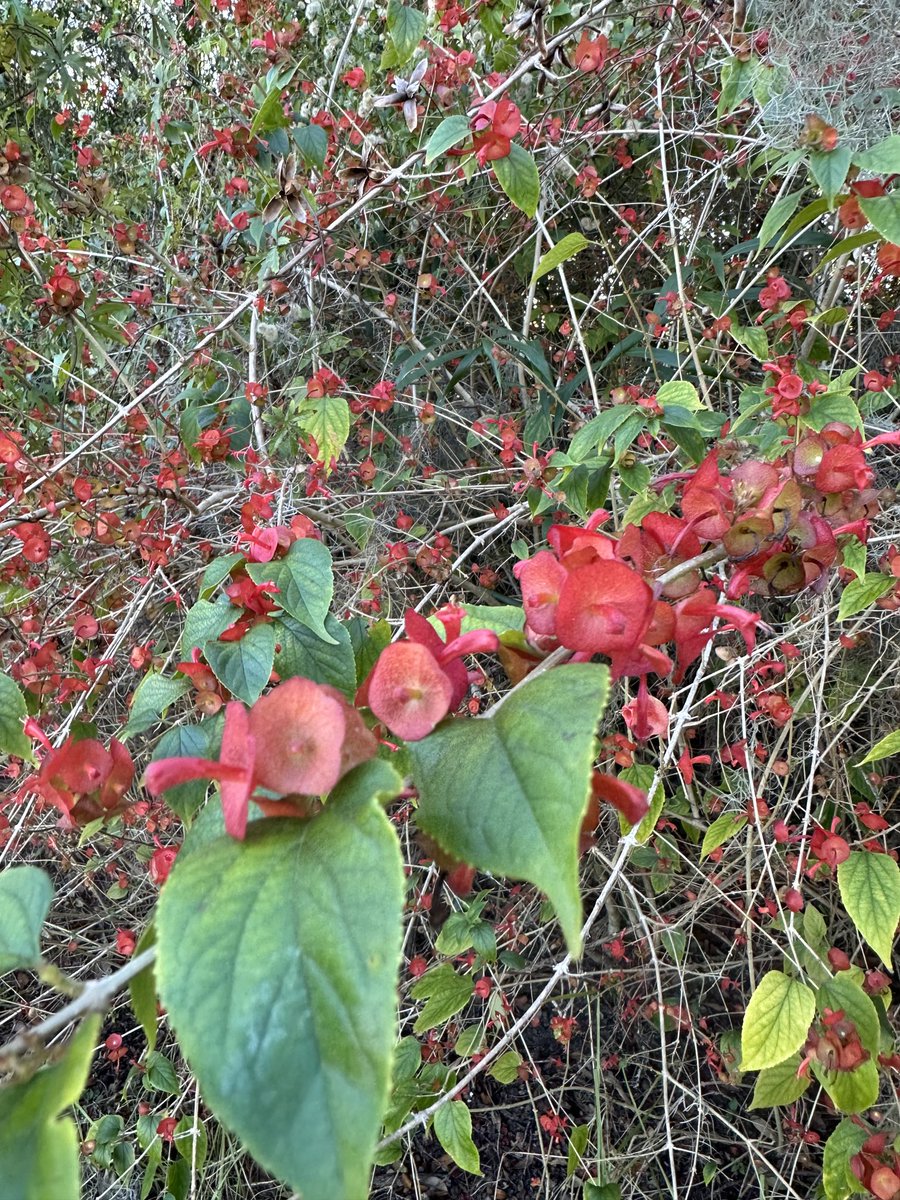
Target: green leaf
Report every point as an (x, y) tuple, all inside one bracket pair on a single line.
[(508, 792), (838, 1180), (327, 419), (305, 581), (845, 245), (142, 990), (160, 1075), (506, 1069), (722, 828), (777, 216), (842, 992), (517, 174), (25, 895), (445, 993), (500, 618), (777, 1086), (680, 393), (38, 1149), (450, 132), (578, 1140), (278, 961), (861, 594), (12, 715), (881, 159), (469, 1042), (407, 28), (736, 84), (752, 339), (776, 1022), (186, 741), (270, 114), (814, 928), (191, 1142), (312, 142), (593, 436), (303, 653), (806, 215), (152, 697), (217, 571), (884, 213), (204, 622), (870, 890), (851, 1091), (565, 248), (244, 667), (886, 748), (453, 1129), (833, 406), (829, 169)]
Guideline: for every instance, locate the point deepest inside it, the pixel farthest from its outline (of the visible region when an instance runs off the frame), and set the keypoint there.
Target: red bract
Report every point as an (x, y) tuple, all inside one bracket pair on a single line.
[(888, 258), (299, 740), (13, 198), (645, 716), (694, 619), (495, 123), (416, 683), (604, 609), (161, 863), (659, 543), (707, 502), (85, 781), (828, 847), (541, 578), (591, 55), (843, 467)]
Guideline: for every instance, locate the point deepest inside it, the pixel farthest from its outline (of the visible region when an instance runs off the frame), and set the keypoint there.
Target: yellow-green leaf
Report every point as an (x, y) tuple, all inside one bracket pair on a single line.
[(565, 248), (776, 1022), (453, 1129), (870, 890)]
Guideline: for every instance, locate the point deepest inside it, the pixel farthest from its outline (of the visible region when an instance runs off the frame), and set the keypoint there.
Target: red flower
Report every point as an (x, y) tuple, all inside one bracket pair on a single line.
[(541, 578), (354, 78), (888, 258), (495, 123), (416, 683), (85, 781), (842, 468), (604, 609), (161, 863), (591, 55), (693, 626), (645, 716), (299, 740), (707, 502), (13, 198)]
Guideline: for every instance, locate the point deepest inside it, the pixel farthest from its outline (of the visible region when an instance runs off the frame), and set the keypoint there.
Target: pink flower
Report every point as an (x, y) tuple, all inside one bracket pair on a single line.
[(416, 683), (646, 716), (298, 740)]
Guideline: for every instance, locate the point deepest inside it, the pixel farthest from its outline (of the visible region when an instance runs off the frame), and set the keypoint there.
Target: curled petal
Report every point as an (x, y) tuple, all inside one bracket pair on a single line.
[(630, 801), (476, 641)]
